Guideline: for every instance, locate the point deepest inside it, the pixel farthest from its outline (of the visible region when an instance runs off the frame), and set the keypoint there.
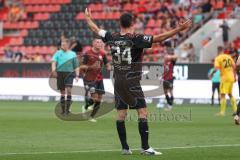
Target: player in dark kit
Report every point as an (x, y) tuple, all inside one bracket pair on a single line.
[(127, 52), (237, 116), (93, 78), (169, 62)]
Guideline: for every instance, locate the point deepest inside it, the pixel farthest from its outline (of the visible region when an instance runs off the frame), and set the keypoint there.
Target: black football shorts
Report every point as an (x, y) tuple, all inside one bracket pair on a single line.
[(128, 94), (64, 79), (168, 84), (94, 86)]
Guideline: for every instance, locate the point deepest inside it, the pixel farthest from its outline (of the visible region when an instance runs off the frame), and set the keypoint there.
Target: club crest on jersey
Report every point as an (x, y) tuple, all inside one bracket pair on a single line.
[(147, 38)]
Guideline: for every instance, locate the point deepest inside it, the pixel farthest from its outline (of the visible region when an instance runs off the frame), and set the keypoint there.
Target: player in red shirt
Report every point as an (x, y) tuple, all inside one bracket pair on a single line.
[(93, 78), (169, 62)]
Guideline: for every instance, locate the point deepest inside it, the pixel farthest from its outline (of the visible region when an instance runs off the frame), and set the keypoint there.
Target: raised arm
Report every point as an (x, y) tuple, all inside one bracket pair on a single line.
[(182, 26), (91, 24)]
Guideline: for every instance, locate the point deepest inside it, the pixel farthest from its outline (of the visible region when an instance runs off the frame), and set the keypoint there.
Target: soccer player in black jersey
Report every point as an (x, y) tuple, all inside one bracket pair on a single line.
[(127, 52), (237, 116)]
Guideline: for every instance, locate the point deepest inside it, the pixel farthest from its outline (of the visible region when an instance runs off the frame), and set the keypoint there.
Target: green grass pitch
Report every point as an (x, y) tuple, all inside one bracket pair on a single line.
[(30, 130)]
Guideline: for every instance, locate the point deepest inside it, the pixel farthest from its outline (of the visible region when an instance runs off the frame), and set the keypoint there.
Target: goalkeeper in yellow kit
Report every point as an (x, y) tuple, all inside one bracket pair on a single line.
[(227, 68)]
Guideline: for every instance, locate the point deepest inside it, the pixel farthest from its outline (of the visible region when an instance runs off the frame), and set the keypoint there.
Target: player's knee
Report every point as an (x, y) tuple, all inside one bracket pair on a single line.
[(122, 116), (95, 99), (222, 96), (69, 91), (62, 92), (142, 113)]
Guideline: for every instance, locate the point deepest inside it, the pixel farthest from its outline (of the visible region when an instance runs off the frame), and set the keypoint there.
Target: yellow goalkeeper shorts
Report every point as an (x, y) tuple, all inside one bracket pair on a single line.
[(226, 87)]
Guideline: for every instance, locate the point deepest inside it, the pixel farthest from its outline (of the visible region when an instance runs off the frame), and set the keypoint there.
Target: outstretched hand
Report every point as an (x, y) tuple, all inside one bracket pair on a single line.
[(186, 24), (88, 14)]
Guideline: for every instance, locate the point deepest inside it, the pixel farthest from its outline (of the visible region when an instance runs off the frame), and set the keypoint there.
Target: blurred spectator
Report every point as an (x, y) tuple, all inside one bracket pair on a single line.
[(47, 58), (237, 11), (111, 5), (1, 4), (225, 29), (26, 59), (185, 3), (8, 54), (38, 58), (139, 26), (197, 16), (205, 41), (184, 54), (16, 12), (18, 57), (191, 53), (206, 6)]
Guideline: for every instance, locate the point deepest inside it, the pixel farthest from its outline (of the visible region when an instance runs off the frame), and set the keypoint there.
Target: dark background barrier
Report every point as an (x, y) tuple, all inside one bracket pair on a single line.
[(43, 70)]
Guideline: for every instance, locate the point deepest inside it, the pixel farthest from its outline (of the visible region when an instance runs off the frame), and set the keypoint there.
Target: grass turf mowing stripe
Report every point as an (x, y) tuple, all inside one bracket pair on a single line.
[(115, 150)]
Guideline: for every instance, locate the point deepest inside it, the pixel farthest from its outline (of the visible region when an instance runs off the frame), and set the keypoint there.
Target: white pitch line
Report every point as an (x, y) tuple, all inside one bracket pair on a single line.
[(115, 150)]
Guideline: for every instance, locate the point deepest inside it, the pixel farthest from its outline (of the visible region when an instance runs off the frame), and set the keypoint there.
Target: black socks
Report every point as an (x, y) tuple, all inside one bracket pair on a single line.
[(89, 102), (69, 102), (95, 109), (62, 101), (238, 109), (143, 131), (122, 133), (169, 99), (172, 100)]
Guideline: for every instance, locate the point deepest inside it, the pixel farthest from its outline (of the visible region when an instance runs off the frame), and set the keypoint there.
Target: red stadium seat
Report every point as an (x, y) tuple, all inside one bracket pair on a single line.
[(99, 7), (116, 15), (127, 7), (222, 15), (92, 7), (41, 16), (148, 31), (158, 23), (110, 15), (219, 4), (16, 41), (156, 30), (80, 16), (15, 48), (151, 23), (37, 49), (24, 33)]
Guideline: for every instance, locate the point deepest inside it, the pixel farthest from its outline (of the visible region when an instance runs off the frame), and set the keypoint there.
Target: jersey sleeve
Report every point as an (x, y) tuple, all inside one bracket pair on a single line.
[(105, 60), (210, 71), (217, 63), (233, 62), (143, 41), (108, 37), (75, 61), (85, 59), (55, 57)]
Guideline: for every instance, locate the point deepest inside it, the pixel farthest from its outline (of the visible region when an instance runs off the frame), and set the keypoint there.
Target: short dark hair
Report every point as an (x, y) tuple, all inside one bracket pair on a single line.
[(126, 20), (220, 49)]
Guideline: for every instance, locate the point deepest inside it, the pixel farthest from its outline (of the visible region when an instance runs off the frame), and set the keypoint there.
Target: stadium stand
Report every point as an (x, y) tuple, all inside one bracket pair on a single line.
[(46, 20)]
